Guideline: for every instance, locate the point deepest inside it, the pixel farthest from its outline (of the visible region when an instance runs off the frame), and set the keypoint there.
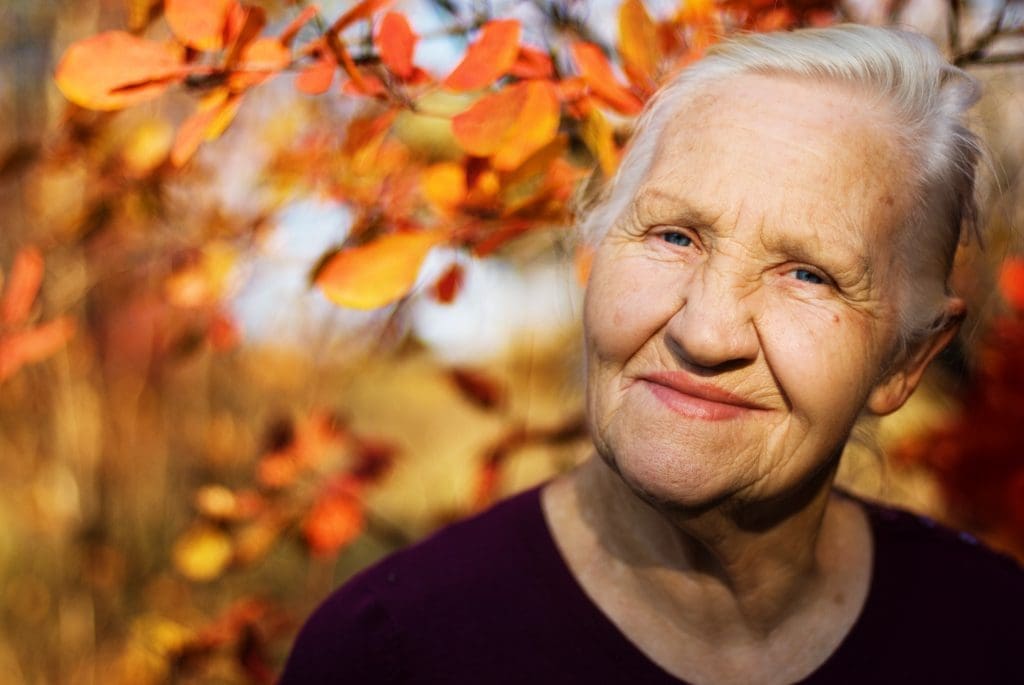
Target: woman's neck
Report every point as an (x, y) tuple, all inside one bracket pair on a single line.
[(712, 575)]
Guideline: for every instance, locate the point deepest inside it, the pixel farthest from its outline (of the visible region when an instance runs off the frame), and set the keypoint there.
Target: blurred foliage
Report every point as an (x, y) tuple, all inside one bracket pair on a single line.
[(176, 496)]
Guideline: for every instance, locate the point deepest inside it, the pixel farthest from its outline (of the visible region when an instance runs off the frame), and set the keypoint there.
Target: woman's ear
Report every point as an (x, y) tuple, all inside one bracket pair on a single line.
[(895, 388)]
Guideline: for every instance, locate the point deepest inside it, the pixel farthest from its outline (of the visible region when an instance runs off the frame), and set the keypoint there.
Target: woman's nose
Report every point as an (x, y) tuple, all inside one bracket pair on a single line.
[(714, 326)]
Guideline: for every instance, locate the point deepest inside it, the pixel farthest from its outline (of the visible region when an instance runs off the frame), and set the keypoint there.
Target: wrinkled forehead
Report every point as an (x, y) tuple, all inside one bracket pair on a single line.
[(796, 157)]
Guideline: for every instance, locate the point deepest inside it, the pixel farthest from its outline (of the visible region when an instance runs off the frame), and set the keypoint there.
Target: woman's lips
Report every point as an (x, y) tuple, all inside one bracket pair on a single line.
[(682, 394)]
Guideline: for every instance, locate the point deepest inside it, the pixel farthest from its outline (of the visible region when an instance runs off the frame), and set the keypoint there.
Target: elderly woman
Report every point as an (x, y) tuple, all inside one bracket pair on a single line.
[(772, 263)]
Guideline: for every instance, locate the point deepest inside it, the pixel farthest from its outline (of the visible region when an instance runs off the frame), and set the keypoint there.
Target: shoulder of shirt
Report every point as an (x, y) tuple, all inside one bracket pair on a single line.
[(922, 545), (361, 626)]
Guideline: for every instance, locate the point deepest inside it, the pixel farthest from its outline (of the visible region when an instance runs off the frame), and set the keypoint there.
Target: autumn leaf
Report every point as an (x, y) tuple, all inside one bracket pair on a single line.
[(447, 287), (638, 45), (444, 185), (532, 63), (202, 553), (33, 345), (489, 58), (335, 520), (599, 137), (396, 43), (596, 70), (244, 25), (316, 78), (115, 69), (198, 23), (259, 60), (22, 286), (509, 125), (378, 273)]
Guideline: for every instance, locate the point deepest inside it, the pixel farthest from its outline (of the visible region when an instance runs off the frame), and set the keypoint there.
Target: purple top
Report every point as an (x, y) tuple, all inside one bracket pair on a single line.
[(490, 600)]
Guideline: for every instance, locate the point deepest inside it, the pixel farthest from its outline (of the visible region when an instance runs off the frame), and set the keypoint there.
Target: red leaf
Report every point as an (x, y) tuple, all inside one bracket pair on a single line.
[(396, 43), (198, 23), (22, 286), (597, 72), (115, 69), (335, 520), (489, 58), (532, 63), (449, 285)]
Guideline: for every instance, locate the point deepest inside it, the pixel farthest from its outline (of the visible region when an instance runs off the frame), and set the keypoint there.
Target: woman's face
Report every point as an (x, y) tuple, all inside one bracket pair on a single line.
[(742, 311)]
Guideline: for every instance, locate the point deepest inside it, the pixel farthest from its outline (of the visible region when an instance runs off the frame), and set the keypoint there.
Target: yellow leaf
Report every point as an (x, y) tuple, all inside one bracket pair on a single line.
[(202, 553), (444, 185), (378, 273), (599, 137), (638, 44)]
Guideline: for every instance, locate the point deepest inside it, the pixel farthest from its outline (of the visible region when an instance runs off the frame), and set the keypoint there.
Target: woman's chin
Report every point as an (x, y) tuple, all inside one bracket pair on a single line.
[(675, 483)]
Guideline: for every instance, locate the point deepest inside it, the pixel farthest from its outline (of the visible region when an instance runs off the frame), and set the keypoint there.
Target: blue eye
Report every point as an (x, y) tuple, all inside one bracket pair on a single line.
[(677, 238), (808, 276)]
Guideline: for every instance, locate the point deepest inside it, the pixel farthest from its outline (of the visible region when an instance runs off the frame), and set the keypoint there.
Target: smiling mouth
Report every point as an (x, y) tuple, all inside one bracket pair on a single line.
[(683, 395)]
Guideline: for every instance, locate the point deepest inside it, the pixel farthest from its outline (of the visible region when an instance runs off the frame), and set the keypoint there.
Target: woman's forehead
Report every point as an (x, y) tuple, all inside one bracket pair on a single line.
[(778, 153)]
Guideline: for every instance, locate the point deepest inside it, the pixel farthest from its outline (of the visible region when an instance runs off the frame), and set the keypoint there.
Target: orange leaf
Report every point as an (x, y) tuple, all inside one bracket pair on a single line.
[(244, 24), (378, 273), (258, 61), (444, 185), (33, 345), (115, 69), (198, 23), (532, 63), (317, 77), (364, 10), (509, 125), (489, 58), (396, 43), (597, 72), (638, 45), (22, 286), (449, 285), (335, 520)]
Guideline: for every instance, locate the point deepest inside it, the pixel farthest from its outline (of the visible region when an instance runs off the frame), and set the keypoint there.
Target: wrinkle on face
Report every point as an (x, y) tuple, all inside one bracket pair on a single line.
[(766, 175)]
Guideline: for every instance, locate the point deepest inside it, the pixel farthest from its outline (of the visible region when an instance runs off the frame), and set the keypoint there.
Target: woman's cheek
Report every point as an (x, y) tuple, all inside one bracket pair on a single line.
[(628, 304), (812, 349)]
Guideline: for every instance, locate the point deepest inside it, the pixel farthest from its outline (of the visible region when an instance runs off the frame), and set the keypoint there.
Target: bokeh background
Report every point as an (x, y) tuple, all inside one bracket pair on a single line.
[(225, 385)]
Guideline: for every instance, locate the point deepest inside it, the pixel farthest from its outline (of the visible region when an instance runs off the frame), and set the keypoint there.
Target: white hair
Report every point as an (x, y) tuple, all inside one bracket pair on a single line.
[(900, 70)]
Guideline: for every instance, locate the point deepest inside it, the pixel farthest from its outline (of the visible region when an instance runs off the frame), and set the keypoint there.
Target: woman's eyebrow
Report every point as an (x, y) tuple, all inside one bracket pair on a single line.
[(656, 204)]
